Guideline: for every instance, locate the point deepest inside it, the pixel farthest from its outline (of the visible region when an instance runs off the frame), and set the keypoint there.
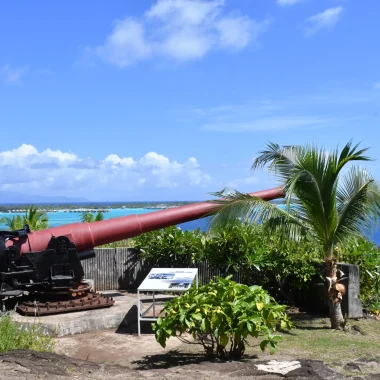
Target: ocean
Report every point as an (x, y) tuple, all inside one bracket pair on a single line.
[(62, 217)]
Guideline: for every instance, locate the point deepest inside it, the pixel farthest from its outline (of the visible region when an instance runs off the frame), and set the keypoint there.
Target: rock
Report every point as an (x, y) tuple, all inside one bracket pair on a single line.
[(358, 329), (352, 367)]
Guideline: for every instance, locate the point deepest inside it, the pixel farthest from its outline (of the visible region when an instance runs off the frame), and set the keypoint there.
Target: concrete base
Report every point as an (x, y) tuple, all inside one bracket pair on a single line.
[(122, 313)]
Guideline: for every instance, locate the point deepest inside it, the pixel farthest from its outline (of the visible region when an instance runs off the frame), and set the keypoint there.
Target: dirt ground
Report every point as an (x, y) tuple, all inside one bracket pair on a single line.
[(31, 365), (122, 354)]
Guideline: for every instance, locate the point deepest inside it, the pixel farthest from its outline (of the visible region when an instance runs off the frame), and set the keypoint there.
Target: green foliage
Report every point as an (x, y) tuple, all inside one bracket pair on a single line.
[(235, 246), (17, 337), (289, 265), (265, 258), (221, 315), (321, 201), (89, 217), (125, 243), (366, 255), (35, 219), (169, 247)]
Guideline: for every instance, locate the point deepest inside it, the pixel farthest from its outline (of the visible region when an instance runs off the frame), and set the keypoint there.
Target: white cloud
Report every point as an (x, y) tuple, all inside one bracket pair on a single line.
[(126, 44), (114, 160), (178, 29), (63, 173), (325, 20), (377, 85), (11, 75), (269, 124), (288, 2)]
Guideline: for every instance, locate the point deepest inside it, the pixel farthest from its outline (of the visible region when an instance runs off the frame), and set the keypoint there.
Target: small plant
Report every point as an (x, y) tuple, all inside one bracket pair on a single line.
[(17, 337), (221, 315)]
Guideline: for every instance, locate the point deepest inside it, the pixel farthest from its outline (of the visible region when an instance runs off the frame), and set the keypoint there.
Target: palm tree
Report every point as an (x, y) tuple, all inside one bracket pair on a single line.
[(89, 217), (324, 198), (99, 216), (36, 220), (14, 223)]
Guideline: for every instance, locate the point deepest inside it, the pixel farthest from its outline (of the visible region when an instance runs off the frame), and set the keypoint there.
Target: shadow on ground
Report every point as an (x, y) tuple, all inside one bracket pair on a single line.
[(130, 326), (175, 358), (172, 358)]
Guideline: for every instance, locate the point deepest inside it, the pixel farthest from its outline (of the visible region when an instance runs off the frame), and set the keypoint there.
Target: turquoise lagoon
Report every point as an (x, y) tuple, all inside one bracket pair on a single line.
[(61, 217)]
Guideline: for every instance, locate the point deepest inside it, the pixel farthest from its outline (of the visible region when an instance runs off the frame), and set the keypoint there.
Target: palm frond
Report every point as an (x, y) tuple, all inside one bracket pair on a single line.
[(236, 207), (281, 160), (269, 155), (310, 177), (358, 203), (350, 153)]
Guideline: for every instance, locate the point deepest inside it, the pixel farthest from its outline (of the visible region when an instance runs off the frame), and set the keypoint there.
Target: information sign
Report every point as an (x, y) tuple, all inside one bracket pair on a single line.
[(163, 280), (169, 279)]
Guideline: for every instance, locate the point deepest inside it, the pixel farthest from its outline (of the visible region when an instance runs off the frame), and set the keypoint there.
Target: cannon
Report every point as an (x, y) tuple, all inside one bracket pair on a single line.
[(43, 268)]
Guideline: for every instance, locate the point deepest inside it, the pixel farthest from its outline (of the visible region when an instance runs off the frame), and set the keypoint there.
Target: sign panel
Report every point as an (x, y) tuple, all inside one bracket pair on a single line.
[(171, 279)]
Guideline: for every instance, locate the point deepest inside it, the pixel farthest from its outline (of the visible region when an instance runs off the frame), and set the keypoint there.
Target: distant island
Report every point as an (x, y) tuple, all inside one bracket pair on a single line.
[(88, 206)]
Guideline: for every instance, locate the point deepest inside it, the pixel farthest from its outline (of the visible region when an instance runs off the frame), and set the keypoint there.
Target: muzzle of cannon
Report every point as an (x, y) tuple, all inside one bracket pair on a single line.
[(46, 265)]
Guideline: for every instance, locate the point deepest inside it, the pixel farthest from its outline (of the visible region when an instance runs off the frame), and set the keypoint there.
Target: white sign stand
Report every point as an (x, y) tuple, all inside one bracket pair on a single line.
[(163, 280)]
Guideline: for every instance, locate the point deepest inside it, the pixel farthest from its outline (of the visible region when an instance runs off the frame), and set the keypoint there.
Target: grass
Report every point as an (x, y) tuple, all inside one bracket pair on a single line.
[(14, 336), (312, 338)]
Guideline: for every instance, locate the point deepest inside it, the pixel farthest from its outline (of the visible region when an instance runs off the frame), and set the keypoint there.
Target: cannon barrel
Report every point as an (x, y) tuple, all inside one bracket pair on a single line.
[(86, 236)]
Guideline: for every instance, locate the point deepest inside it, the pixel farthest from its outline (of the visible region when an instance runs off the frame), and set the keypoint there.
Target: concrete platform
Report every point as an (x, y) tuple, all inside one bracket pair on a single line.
[(121, 314)]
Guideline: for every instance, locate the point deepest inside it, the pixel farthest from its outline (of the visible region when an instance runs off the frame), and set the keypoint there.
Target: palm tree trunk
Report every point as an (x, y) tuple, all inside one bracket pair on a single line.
[(334, 292), (336, 316)]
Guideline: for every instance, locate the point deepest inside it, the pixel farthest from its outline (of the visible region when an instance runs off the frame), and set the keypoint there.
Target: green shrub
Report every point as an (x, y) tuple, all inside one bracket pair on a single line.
[(221, 315), (234, 247), (169, 247), (17, 337), (125, 243), (366, 255), (280, 265), (277, 264)]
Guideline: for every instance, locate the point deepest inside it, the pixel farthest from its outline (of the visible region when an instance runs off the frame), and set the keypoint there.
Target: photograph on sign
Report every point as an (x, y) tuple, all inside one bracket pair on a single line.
[(161, 276), (179, 285), (169, 278)]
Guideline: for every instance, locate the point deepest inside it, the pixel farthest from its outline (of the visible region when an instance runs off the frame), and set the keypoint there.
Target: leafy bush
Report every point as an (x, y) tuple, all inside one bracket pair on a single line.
[(169, 247), (289, 265), (235, 246), (366, 255), (283, 267), (17, 337), (280, 265), (221, 315), (125, 243)]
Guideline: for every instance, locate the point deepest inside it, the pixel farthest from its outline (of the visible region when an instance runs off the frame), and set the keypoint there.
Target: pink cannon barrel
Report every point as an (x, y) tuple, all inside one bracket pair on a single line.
[(86, 236)]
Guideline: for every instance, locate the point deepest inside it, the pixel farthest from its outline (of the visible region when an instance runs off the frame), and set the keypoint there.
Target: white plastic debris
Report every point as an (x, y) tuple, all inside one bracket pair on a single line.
[(279, 367)]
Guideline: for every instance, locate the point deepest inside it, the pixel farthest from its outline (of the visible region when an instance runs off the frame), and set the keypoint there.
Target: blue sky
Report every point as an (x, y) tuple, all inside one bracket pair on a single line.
[(172, 99)]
